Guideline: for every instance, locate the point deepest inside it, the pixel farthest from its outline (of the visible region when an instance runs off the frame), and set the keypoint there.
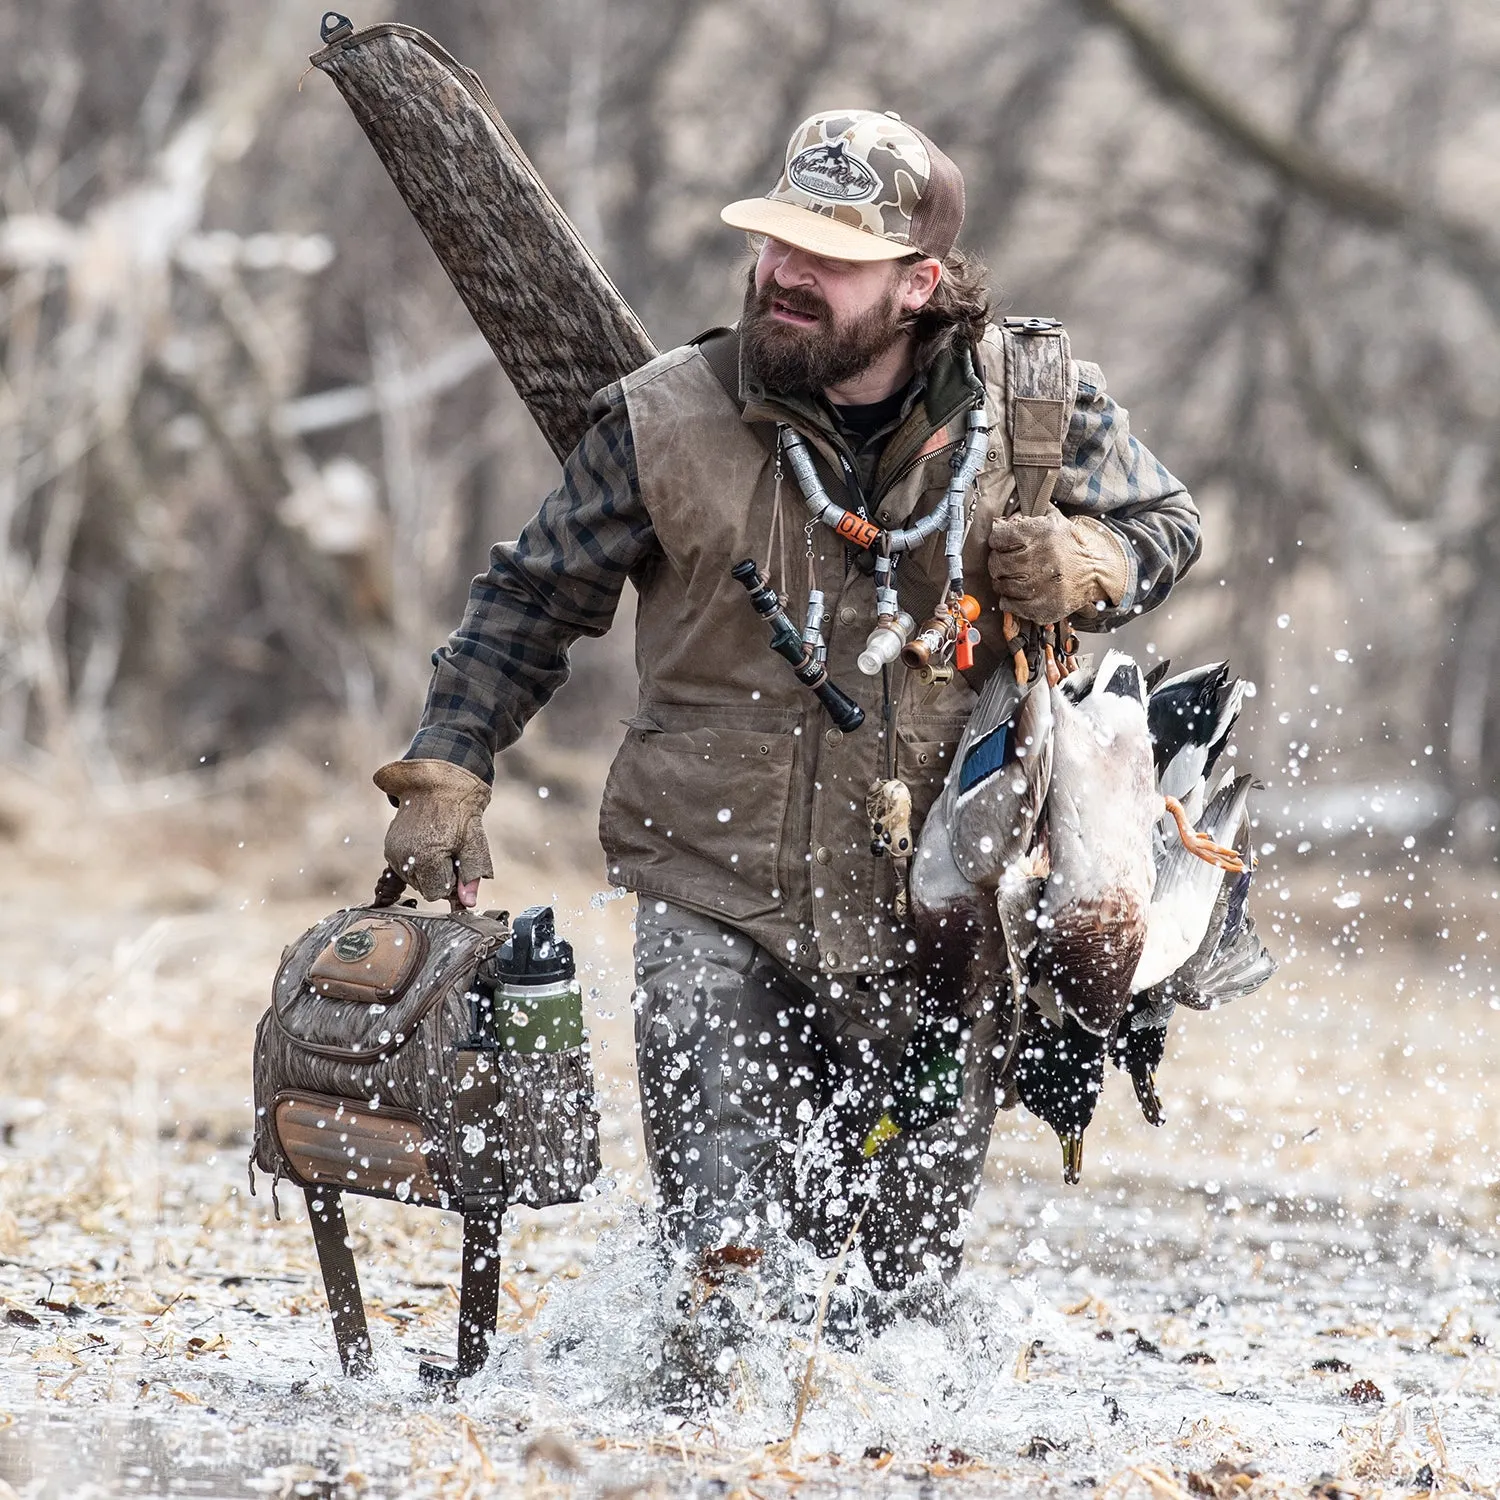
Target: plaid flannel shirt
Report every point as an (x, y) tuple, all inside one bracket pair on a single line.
[(563, 576)]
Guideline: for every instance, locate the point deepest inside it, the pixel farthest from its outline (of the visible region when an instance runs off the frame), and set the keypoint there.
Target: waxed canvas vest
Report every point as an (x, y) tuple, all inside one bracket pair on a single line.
[(733, 794)]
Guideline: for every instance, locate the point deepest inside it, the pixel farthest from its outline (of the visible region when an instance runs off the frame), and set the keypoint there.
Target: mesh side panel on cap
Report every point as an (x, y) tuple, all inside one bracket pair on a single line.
[(940, 214)]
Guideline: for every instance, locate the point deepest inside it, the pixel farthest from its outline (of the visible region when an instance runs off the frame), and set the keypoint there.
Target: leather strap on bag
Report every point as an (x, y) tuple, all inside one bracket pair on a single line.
[(1038, 371)]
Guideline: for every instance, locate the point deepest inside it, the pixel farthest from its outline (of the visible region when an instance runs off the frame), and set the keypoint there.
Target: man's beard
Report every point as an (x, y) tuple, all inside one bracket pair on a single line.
[(797, 361)]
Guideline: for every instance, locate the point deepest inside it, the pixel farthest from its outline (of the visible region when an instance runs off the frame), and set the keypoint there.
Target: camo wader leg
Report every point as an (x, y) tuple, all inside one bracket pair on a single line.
[(729, 1072), (738, 1058)]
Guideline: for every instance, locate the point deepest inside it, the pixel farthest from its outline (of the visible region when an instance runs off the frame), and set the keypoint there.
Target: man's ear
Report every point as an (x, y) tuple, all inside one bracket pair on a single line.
[(918, 282)]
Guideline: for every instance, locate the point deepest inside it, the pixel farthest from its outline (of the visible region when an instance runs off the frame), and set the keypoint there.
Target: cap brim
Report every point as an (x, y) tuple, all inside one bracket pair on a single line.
[(816, 233)]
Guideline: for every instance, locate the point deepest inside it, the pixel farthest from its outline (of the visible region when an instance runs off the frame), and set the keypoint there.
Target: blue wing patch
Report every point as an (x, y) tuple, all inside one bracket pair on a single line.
[(985, 757)]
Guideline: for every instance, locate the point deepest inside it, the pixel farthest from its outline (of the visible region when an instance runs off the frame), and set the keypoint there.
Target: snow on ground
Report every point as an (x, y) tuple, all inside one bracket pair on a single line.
[(1293, 1283)]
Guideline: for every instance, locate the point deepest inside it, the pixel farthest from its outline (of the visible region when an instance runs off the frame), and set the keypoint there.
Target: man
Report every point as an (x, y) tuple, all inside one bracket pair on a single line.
[(776, 986)]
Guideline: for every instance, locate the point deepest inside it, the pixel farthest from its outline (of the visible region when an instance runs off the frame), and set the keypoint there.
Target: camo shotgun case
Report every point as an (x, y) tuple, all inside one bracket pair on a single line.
[(436, 1059)]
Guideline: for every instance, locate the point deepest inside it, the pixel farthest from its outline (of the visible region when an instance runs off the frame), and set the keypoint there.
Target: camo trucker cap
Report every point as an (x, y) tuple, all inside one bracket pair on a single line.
[(859, 185)]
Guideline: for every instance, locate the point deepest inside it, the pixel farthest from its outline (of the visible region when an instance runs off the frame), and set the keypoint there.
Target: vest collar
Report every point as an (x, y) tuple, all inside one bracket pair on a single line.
[(941, 395)]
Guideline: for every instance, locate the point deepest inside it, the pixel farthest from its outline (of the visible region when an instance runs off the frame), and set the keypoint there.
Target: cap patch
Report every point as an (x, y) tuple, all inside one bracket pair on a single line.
[(829, 171)]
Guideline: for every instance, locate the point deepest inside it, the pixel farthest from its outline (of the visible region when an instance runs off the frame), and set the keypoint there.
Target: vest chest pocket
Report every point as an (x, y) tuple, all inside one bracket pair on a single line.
[(924, 756), (699, 816)]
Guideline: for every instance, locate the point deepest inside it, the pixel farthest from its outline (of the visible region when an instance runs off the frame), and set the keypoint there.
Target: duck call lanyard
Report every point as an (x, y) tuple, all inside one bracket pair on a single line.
[(949, 632)]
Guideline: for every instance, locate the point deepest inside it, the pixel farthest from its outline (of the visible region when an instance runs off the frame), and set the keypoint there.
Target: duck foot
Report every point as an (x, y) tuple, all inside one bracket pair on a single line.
[(1016, 645), (1146, 1096), (1200, 843)]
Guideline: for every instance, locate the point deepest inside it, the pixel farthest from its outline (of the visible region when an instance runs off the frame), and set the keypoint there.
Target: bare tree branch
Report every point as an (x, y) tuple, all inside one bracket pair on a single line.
[(1340, 189)]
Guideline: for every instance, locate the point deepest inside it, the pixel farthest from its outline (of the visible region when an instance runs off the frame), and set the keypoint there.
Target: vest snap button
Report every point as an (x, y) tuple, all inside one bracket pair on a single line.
[(848, 615), (834, 736), (922, 758), (831, 959), (823, 854), (765, 749)]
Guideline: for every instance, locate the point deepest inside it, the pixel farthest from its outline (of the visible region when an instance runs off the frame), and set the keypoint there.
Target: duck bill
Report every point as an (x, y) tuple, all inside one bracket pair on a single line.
[(1146, 1096), (1072, 1147)]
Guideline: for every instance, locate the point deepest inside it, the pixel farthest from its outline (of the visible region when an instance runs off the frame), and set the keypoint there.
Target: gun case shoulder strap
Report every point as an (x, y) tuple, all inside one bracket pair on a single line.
[(1041, 384)]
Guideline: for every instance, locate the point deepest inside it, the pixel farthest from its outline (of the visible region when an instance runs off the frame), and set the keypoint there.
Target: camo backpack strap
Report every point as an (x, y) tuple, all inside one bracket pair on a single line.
[(1041, 384)]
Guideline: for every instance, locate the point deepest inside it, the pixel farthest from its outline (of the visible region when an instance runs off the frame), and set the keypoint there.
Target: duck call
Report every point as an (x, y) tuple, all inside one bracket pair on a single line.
[(787, 642)]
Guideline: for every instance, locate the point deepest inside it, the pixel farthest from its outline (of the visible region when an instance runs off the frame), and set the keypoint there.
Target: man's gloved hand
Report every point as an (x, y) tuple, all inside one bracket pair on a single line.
[(1050, 566), (438, 830)]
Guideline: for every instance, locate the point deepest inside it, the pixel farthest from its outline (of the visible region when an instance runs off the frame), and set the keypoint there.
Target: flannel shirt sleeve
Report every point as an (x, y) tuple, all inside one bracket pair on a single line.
[(1108, 474), (560, 579)]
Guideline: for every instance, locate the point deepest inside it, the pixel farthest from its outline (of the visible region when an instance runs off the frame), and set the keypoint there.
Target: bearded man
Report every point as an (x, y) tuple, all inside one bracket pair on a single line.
[(776, 986)]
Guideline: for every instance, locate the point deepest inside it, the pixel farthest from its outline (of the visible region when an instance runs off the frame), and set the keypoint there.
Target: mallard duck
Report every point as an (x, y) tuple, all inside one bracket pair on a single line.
[(1104, 808), (973, 880), (1038, 864)]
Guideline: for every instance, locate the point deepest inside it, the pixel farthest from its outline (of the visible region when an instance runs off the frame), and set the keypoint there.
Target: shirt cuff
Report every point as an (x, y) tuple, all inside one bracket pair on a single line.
[(1132, 570), (443, 742)]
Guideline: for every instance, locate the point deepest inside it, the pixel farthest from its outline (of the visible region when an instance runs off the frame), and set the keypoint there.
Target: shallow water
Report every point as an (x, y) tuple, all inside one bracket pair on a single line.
[(1320, 1211), (1218, 1329)]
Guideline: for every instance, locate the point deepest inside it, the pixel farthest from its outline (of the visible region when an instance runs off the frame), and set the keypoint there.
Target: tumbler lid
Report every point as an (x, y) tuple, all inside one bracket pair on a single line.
[(534, 954)]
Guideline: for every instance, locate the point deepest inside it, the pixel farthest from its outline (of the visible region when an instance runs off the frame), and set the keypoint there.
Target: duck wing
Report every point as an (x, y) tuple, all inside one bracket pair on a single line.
[(1187, 891), (936, 881), (995, 793), (1157, 674), (1191, 716), (979, 817), (1231, 961), (1239, 966)]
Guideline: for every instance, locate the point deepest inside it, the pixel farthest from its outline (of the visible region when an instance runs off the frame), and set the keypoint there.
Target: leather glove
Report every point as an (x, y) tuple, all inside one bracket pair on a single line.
[(438, 828), (1048, 567)]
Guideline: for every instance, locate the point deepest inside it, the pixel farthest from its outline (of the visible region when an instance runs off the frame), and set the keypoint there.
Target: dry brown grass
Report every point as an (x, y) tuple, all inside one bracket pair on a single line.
[(140, 936)]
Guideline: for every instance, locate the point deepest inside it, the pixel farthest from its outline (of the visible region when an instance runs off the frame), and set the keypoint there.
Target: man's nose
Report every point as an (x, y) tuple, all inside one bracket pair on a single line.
[(792, 268)]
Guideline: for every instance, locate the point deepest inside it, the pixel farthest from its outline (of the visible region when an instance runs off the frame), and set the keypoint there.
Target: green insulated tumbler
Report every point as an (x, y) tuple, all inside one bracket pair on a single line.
[(538, 1006)]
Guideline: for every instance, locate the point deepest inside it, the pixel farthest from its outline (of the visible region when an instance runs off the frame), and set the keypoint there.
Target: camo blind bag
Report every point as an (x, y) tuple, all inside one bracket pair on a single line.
[(381, 1067)]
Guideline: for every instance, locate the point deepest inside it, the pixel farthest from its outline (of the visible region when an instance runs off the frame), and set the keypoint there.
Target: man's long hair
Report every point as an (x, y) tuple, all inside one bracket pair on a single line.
[(959, 308)]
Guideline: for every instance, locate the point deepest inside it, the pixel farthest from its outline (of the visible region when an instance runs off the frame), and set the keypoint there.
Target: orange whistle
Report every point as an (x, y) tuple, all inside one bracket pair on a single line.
[(963, 649)]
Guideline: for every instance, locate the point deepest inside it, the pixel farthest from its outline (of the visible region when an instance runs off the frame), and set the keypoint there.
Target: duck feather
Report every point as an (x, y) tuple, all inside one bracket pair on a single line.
[(1101, 810)]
